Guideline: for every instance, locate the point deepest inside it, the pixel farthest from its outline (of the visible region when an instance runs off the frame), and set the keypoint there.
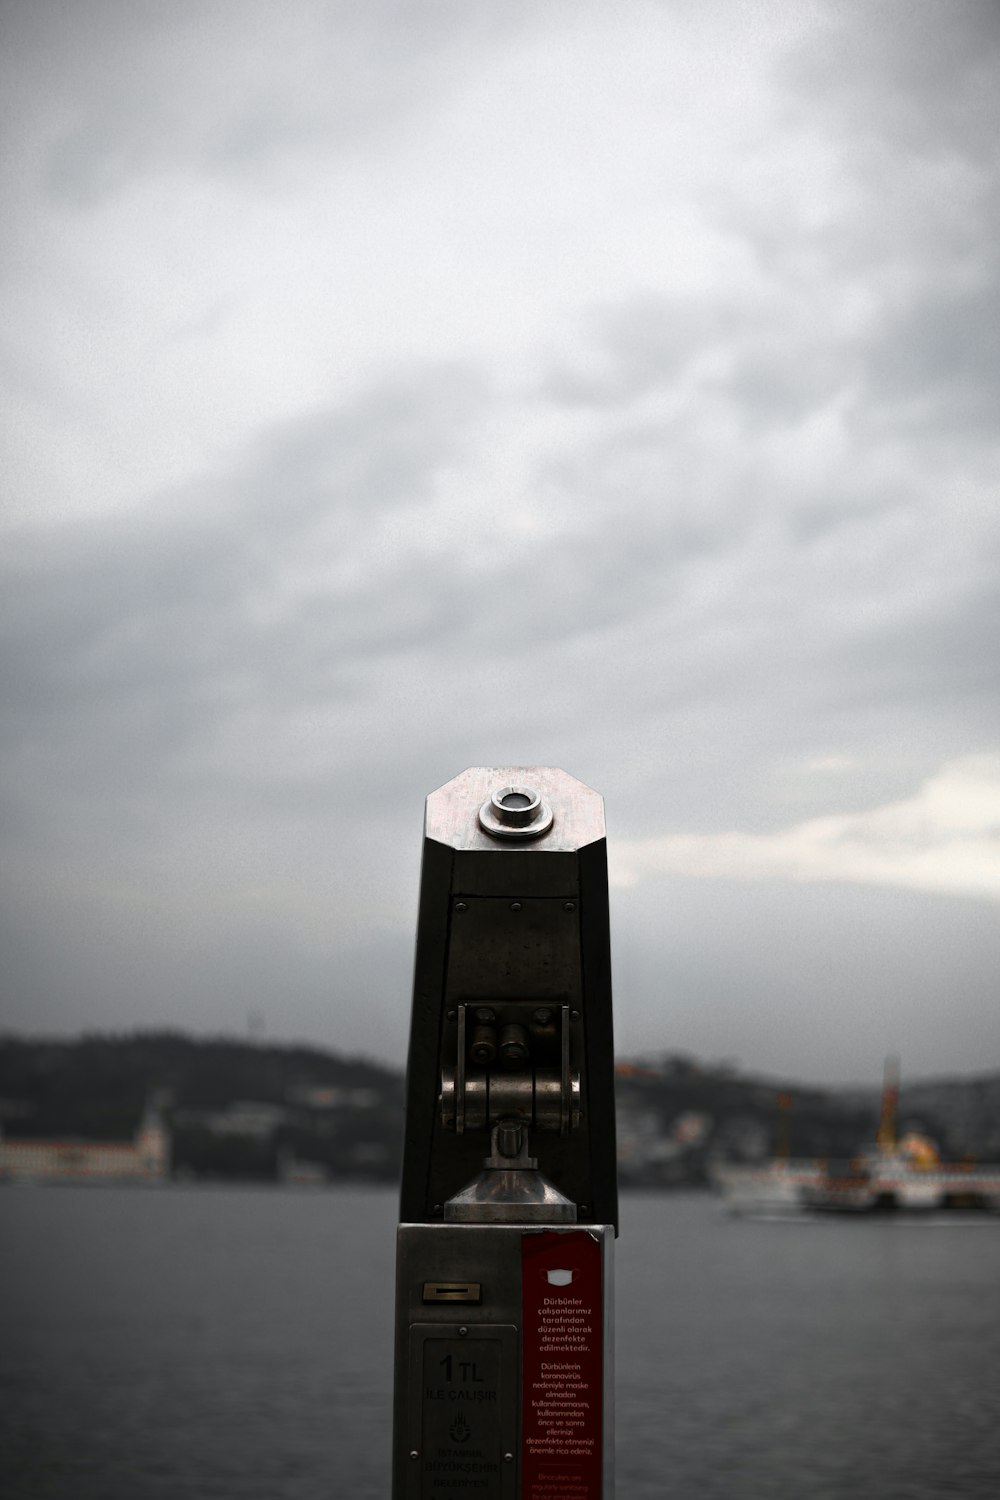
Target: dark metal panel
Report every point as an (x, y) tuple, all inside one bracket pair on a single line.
[(514, 947), (423, 1064), (535, 871), (599, 1043)]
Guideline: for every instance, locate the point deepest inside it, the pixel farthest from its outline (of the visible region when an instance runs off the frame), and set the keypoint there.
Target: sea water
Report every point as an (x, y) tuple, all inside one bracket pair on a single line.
[(230, 1343)]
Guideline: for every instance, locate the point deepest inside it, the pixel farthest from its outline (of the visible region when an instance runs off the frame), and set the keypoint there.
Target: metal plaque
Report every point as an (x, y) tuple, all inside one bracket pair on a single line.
[(463, 1412)]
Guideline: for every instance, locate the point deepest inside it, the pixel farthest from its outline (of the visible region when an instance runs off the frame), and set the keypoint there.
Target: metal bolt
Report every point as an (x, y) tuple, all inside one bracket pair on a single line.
[(483, 1047), (585, 1208), (515, 906), (451, 1015), (437, 1208), (513, 1045), (463, 1332), (574, 1015), (414, 1453), (542, 1016), (461, 906), (508, 1458), (570, 906)]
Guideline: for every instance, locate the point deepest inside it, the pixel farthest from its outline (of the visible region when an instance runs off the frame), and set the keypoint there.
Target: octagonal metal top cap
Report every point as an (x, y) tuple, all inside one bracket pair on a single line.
[(498, 808)]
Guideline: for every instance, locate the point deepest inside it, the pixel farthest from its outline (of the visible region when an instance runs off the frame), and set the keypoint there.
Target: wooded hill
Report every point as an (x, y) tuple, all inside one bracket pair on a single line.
[(234, 1108)]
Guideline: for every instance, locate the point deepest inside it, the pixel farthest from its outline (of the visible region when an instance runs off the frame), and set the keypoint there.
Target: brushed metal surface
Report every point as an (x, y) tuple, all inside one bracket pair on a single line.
[(577, 810)]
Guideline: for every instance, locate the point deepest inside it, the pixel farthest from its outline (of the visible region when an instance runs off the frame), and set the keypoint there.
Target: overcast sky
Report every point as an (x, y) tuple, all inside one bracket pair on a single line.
[(390, 388)]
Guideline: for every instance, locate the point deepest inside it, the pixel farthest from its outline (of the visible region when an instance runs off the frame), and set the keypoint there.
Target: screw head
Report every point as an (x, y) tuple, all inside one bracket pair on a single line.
[(461, 906), (414, 1453), (569, 906), (508, 1458), (515, 906), (574, 1015), (463, 1332)]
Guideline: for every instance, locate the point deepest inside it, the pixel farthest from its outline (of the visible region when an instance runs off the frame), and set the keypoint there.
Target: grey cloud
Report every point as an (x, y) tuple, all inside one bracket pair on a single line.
[(942, 355), (931, 361), (857, 610), (778, 378), (142, 92), (148, 635), (379, 452), (763, 361), (921, 75), (636, 346), (790, 965), (941, 656), (765, 357)]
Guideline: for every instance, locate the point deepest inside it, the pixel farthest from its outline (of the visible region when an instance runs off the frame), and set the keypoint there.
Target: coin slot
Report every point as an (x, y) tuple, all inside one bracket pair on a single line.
[(453, 1291)]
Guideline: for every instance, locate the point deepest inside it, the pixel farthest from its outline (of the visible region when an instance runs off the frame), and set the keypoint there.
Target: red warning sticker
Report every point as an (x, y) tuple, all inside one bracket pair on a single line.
[(562, 1366)]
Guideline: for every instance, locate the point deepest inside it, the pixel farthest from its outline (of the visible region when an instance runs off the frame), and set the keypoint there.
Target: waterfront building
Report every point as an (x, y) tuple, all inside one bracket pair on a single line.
[(143, 1158)]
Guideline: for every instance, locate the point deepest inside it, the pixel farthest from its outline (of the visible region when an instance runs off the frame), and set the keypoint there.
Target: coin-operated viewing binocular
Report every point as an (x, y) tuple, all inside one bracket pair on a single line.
[(509, 1202)]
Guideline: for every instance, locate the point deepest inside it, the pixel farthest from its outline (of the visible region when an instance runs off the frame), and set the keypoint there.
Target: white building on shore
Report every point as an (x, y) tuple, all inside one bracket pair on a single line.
[(143, 1158)]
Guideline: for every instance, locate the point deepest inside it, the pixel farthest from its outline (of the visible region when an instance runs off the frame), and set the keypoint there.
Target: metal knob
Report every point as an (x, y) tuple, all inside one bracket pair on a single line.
[(483, 1046), (515, 812), (513, 1045)]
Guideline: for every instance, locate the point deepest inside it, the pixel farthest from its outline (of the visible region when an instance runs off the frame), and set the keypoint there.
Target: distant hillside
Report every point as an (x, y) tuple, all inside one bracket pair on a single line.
[(235, 1108), (675, 1114), (272, 1112)]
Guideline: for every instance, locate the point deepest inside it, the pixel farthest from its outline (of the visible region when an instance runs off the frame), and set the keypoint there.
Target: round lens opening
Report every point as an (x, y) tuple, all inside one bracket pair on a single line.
[(515, 811), (515, 799), (516, 806)]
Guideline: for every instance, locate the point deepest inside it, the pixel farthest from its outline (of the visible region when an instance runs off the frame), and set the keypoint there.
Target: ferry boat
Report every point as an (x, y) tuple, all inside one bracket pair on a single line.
[(893, 1175), (891, 1181), (767, 1188)]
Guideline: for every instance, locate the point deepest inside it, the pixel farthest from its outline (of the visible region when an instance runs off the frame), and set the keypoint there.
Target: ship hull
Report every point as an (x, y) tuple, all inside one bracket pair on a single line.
[(792, 1187)]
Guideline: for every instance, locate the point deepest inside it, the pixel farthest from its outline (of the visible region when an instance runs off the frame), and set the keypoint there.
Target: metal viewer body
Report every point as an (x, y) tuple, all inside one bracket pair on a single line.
[(498, 1282)]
